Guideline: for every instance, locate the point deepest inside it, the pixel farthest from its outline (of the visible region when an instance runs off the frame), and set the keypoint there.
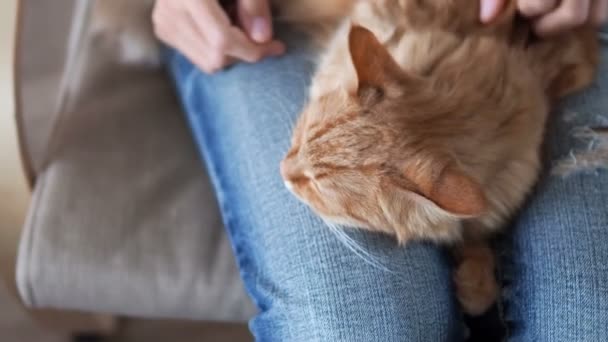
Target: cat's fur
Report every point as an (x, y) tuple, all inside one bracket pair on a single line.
[(425, 124), (421, 123)]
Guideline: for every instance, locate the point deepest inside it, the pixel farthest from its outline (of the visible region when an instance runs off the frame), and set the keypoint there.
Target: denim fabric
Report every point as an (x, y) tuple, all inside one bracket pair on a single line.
[(557, 270), (309, 287)]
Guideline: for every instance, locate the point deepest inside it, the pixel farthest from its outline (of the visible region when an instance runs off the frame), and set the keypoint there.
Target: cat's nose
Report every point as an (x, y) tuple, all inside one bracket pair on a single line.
[(290, 169)]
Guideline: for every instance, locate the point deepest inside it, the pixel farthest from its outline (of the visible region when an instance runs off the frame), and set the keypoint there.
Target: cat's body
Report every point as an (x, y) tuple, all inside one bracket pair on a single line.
[(425, 124)]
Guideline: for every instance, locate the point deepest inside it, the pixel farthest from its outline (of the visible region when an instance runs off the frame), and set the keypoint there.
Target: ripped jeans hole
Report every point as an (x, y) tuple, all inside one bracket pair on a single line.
[(594, 157)]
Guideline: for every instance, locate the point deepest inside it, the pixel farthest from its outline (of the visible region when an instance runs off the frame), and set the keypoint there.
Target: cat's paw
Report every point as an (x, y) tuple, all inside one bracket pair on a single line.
[(475, 281)]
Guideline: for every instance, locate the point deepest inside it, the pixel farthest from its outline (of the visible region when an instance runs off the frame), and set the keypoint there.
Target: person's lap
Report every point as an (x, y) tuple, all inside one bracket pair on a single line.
[(310, 287), (557, 266)]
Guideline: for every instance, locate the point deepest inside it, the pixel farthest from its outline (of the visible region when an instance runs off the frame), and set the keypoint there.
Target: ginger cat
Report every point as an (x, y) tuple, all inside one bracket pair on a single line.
[(421, 122), (426, 125)]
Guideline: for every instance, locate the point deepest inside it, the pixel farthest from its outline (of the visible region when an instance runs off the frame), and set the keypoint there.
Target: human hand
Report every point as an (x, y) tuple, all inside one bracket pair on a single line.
[(203, 32), (552, 16)]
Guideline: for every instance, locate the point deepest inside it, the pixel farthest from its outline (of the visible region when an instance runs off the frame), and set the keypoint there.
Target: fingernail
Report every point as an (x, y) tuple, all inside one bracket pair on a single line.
[(488, 10), (260, 30)]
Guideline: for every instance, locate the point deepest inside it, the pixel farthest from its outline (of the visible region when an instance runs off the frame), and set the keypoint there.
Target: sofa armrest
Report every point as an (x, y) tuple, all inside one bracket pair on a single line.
[(14, 178), (17, 177)]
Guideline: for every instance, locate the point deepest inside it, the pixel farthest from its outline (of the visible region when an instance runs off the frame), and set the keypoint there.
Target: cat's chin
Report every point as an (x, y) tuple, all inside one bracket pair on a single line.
[(289, 186)]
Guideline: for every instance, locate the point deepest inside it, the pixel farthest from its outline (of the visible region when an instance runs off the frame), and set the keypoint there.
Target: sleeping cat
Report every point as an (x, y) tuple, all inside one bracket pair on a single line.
[(421, 123), (425, 125)]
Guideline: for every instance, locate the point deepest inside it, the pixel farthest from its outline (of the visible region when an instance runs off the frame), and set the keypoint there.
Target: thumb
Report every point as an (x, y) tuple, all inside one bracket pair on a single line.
[(489, 9), (255, 17)]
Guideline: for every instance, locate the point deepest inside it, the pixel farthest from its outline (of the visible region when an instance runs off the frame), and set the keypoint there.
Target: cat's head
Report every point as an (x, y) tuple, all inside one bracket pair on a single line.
[(356, 162), (387, 153)]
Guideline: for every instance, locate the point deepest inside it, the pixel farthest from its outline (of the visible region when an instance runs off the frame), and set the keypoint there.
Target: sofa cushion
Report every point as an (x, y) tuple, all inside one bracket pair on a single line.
[(124, 219)]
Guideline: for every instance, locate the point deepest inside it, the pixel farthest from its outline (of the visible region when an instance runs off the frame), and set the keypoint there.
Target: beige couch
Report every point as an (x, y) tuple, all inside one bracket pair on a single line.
[(121, 218)]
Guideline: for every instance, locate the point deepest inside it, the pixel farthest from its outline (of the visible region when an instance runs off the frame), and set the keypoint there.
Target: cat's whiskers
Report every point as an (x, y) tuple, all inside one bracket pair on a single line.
[(355, 247), (288, 121)]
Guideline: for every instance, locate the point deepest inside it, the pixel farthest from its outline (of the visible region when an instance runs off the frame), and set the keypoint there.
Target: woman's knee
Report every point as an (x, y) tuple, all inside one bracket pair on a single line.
[(326, 292)]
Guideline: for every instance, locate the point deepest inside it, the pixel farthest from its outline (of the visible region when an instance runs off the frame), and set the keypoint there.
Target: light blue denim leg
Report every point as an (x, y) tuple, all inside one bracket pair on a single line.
[(559, 280), (307, 285)]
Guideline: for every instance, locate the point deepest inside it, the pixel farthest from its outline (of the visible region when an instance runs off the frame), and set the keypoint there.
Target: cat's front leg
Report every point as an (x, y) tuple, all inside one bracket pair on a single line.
[(474, 276)]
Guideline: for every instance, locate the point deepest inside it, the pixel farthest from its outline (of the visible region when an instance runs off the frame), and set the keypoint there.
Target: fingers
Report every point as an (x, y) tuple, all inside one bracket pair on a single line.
[(224, 38), (599, 12), (535, 8), (189, 42), (489, 9), (244, 49), (211, 21), (555, 16), (255, 18), (202, 31), (569, 14)]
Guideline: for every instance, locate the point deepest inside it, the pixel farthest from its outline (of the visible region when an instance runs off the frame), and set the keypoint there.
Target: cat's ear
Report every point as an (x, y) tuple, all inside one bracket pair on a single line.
[(450, 189), (374, 65)]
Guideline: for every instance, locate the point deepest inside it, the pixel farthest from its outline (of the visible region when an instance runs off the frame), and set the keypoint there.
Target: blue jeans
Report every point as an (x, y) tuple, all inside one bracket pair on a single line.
[(309, 287)]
